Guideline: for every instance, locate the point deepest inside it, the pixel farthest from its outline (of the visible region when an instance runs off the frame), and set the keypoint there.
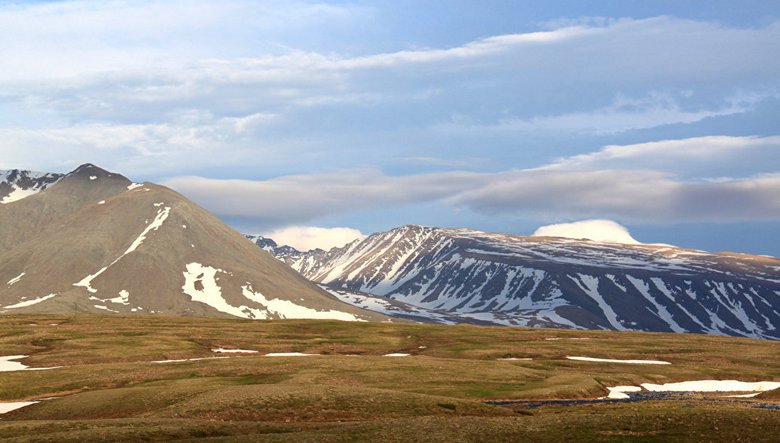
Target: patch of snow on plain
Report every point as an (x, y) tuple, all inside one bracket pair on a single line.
[(233, 351), (34, 301), (619, 392), (12, 406), (7, 364), (712, 386), (742, 395), (514, 359), (289, 310), (396, 355), (188, 359), (609, 360), (15, 279), (102, 202), (288, 354)]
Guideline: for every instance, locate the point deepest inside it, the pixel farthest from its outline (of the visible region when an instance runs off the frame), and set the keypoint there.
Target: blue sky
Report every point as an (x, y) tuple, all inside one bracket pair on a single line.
[(493, 115)]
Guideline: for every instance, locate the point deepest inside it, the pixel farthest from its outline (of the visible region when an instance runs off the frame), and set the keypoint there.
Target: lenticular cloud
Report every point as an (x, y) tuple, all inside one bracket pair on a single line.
[(597, 230)]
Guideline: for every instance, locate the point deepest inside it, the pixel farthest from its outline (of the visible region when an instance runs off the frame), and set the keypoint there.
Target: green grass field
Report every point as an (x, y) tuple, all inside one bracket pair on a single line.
[(108, 389)]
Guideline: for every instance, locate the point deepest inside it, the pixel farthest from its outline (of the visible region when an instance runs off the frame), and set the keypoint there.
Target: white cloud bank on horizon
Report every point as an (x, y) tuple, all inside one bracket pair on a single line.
[(305, 238), (583, 186), (599, 230)]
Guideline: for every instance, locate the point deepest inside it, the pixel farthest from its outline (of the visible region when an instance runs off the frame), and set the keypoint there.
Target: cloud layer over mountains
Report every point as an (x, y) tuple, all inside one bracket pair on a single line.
[(362, 114), (617, 181)]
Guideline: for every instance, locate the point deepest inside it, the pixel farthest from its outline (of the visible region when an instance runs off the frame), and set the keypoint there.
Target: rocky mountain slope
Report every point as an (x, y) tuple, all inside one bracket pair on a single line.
[(96, 242), (557, 282), (17, 184)]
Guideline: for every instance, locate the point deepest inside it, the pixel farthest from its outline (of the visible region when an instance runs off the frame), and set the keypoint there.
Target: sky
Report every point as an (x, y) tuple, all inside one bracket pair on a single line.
[(328, 120)]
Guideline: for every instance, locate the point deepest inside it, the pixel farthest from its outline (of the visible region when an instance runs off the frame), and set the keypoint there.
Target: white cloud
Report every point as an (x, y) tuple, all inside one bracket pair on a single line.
[(623, 114), (138, 148), (710, 156), (297, 199), (146, 63), (305, 238), (606, 231), (637, 195), (83, 37), (648, 197), (273, 88)]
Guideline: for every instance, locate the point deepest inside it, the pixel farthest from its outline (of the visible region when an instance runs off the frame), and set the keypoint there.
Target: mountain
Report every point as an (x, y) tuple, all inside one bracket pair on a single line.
[(555, 282), (17, 184), (97, 242)]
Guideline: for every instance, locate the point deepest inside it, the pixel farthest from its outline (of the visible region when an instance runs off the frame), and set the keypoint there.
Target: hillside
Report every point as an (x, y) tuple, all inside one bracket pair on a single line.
[(96, 242)]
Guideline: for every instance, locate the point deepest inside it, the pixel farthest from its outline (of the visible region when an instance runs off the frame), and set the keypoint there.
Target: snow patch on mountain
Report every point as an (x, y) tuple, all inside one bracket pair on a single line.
[(26, 303), (17, 184), (159, 219), (289, 310), (200, 283), (16, 279)]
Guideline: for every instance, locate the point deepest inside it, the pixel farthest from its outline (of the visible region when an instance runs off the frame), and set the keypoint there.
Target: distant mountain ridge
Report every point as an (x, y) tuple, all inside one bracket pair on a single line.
[(95, 242), (16, 184), (556, 282)]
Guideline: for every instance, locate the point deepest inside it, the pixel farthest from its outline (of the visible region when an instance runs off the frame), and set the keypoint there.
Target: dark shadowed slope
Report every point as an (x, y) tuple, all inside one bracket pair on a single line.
[(557, 282)]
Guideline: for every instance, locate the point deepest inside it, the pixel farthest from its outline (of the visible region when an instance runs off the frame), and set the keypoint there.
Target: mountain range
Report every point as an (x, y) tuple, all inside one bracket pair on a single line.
[(93, 241), (460, 275)]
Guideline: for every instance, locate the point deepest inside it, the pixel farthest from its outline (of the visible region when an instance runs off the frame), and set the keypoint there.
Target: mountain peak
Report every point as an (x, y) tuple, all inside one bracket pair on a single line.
[(89, 168), (91, 173), (95, 244)]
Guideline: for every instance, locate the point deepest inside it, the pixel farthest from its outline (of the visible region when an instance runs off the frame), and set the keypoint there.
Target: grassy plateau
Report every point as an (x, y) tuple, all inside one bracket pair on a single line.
[(109, 388)]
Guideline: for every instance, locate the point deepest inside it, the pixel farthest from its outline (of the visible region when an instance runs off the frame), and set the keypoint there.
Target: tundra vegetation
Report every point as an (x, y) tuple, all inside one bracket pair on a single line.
[(108, 383)]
